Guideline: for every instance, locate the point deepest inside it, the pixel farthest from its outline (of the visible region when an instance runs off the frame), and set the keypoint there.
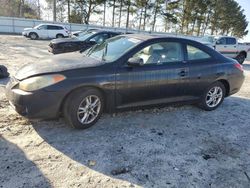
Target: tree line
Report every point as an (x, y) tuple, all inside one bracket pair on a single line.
[(20, 8), (190, 17)]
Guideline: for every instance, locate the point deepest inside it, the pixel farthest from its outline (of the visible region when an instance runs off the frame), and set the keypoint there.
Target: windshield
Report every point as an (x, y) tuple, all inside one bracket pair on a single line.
[(85, 35), (209, 39), (112, 49), (38, 26)]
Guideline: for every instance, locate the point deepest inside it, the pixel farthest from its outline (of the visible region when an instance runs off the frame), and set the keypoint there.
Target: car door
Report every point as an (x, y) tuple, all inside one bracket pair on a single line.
[(227, 46), (42, 31), (53, 31), (202, 70), (158, 80)]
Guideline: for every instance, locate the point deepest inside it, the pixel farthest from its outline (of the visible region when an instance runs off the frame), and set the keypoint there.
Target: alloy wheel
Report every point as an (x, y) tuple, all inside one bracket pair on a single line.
[(214, 96), (33, 36), (89, 109)]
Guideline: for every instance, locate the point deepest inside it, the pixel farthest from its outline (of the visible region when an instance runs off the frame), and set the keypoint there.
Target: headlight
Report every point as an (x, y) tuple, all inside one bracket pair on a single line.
[(39, 82)]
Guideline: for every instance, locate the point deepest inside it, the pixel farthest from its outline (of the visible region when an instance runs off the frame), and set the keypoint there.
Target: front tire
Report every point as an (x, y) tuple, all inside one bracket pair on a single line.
[(33, 36), (213, 96), (83, 108)]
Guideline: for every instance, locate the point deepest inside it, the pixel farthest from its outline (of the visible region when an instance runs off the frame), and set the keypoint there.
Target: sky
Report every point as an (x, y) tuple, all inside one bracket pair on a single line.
[(245, 4)]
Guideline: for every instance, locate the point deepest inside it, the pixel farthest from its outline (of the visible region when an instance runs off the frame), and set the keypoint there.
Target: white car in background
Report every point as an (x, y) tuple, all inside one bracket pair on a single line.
[(46, 31), (228, 46)]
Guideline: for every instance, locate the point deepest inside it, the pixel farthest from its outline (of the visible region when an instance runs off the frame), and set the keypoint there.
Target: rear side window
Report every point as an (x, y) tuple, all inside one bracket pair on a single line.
[(231, 41), (196, 53), (53, 27)]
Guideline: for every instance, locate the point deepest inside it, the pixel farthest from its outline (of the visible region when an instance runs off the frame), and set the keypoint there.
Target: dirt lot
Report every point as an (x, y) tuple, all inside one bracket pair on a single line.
[(169, 147)]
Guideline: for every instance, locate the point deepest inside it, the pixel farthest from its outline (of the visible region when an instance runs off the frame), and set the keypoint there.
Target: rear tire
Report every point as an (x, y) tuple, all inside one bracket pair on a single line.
[(59, 36), (33, 36), (241, 58), (213, 96), (83, 108)]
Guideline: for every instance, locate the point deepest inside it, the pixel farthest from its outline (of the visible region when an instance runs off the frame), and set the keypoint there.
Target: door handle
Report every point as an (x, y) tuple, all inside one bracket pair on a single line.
[(183, 73)]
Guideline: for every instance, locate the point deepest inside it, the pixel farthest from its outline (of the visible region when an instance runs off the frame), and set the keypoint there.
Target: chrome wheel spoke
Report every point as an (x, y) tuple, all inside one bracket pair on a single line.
[(209, 94), (96, 103), (83, 119), (89, 109), (81, 110), (214, 96), (209, 101), (93, 112), (88, 100)]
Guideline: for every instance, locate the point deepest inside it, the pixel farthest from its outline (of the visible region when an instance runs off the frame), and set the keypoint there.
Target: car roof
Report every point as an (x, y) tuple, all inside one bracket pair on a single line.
[(52, 24), (145, 37), (105, 31)]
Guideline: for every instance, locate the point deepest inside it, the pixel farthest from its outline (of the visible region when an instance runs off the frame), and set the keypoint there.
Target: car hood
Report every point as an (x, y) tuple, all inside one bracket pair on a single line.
[(62, 40), (57, 63), (26, 29)]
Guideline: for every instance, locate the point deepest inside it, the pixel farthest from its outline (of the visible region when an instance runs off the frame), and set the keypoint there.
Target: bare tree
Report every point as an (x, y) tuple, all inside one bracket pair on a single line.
[(54, 10)]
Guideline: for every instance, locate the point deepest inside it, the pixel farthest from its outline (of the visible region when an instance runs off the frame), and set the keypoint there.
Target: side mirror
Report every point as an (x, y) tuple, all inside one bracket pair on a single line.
[(92, 42), (135, 61)]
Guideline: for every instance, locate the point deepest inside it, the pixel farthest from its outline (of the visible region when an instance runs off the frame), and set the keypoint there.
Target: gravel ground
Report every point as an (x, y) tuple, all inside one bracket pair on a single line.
[(169, 147)]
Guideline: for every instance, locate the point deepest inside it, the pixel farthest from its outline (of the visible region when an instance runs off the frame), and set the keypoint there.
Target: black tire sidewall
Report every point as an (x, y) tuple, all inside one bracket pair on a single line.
[(203, 103), (72, 103)]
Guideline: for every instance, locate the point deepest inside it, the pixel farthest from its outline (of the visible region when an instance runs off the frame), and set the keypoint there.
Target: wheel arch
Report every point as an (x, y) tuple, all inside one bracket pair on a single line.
[(34, 33), (226, 85), (81, 88)]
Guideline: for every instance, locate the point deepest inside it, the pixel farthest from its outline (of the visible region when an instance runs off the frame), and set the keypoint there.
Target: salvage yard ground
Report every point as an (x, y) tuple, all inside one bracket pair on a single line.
[(169, 147)]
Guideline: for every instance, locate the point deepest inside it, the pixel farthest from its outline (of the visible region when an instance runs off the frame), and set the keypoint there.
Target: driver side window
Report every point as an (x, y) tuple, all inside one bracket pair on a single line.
[(160, 53)]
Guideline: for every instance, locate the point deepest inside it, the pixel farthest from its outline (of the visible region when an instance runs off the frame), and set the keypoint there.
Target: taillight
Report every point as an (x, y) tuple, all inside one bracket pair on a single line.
[(66, 30), (239, 66)]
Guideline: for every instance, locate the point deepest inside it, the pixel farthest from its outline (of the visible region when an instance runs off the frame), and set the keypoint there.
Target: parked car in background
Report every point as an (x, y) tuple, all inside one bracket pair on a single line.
[(83, 41), (228, 46), (77, 33), (46, 31), (124, 72), (3, 72)]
